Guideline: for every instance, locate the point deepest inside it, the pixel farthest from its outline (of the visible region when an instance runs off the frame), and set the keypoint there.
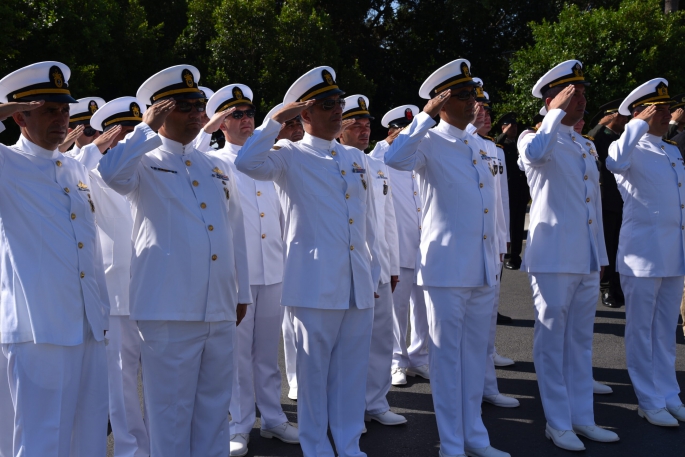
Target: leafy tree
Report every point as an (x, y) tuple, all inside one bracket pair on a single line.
[(620, 49)]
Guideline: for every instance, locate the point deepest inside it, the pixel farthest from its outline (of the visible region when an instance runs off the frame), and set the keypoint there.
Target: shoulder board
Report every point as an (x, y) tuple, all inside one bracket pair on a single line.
[(589, 137), (276, 148), (534, 129), (485, 137), (499, 146), (671, 142)]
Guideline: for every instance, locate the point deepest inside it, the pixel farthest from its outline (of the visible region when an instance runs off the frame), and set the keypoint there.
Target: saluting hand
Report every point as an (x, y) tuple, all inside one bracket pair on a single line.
[(394, 135), (563, 98), (104, 141), (647, 114), (8, 109), (291, 110), (215, 122), (678, 115), (71, 137), (436, 103), (345, 124), (155, 115)]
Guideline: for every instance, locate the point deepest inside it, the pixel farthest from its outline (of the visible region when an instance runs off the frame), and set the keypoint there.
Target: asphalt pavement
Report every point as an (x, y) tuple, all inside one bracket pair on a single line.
[(519, 431)]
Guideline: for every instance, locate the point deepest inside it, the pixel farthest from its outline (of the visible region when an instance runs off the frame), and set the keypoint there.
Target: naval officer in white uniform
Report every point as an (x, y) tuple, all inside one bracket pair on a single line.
[(480, 128), (54, 299), (115, 225), (257, 376), (459, 253), (6, 407), (564, 255), (332, 269), (378, 379), (408, 302), (650, 174), (189, 272)]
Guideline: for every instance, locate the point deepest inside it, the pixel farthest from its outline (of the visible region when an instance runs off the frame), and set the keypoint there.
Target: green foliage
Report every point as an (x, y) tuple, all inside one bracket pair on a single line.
[(381, 48), (620, 49)]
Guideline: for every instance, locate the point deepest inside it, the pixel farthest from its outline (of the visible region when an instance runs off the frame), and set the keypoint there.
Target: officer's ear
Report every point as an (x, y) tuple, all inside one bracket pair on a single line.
[(306, 116), (20, 118)]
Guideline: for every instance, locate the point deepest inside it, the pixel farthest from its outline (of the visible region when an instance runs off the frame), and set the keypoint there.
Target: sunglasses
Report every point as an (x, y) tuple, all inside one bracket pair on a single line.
[(237, 114), (329, 104), (464, 94), (89, 131), (185, 107)]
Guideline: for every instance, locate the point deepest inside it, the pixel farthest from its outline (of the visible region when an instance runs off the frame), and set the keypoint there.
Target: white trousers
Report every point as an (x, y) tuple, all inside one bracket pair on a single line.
[(652, 307), (6, 412), (123, 363), (408, 303), (60, 398), (459, 323), (289, 347), (332, 362), (187, 377), (378, 378), (490, 387), (255, 362), (565, 306)]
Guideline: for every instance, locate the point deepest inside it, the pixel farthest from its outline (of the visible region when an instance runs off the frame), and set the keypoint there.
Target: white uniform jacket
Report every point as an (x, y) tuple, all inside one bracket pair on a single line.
[(51, 273), (189, 258), (651, 178), (406, 200), (115, 225), (459, 243), (329, 217), (386, 224), (565, 234), (263, 222), (496, 167)]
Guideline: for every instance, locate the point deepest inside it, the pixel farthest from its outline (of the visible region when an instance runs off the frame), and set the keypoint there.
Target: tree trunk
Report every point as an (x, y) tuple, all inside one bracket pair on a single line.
[(670, 6)]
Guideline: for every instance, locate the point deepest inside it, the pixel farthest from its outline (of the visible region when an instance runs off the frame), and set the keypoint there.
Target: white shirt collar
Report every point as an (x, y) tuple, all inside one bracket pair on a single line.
[(318, 143), (174, 147), (33, 149), (652, 138), (449, 129), (231, 149), (567, 129)]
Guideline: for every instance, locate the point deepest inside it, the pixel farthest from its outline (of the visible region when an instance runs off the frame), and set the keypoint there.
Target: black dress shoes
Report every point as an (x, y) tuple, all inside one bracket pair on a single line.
[(503, 319), (513, 264), (609, 301)]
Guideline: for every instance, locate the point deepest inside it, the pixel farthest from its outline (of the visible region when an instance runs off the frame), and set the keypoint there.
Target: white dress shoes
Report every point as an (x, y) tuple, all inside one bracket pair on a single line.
[(660, 417), (442, 454), (284, 432), (399, 376), (501, 361), (419, 371), (565, 439), (239, 444), (386, 418), (595, 433), (601, 389), (678, 412), (292, 393), (486, 452), (502, 401)]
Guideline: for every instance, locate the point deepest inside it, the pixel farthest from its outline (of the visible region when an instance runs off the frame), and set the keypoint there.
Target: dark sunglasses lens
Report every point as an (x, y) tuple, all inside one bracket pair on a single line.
[(239, 114), (89, 131), (329, 104), (466, 94), (185, 107)]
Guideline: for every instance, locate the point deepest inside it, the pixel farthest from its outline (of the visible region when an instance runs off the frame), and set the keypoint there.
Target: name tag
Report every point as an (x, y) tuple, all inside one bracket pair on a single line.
[(359, 170), (163, 170)]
